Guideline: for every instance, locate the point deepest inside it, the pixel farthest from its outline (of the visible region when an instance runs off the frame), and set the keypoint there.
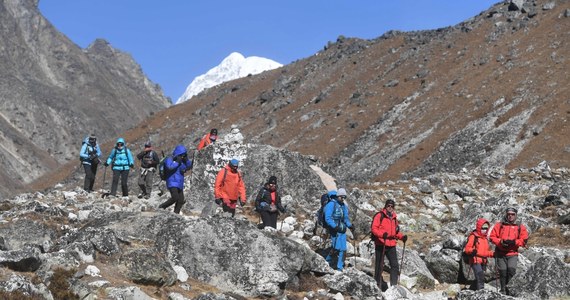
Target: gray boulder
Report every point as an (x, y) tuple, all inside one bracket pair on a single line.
[(24, 260), (35, 233), (443, 264), (415, 266), (144, 266), (104, 240), (481, 295), (352, 282), (546, 278)]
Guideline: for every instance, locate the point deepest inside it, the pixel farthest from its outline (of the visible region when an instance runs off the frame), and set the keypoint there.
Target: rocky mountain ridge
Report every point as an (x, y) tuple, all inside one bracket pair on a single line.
[(55, 93)]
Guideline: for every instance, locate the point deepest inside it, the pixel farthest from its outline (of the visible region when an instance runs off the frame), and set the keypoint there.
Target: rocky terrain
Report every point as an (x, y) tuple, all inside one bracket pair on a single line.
[(64, 242), (53, 94)]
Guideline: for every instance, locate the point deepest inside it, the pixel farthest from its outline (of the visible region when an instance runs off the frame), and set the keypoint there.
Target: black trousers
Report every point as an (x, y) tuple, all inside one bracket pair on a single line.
[(269, 218), (90, 173), (176, 196), (392, 256), (124, 175)]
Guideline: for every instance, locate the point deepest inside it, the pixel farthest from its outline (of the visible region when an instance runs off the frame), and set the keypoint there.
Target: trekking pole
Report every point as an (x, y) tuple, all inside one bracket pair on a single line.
[(401, 263), (104, 177), (496, 277)]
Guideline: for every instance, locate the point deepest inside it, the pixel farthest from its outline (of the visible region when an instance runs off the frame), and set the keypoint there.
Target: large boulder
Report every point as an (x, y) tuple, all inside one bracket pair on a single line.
[(546, 278), (34, 233), (352, 282), (147, 267)]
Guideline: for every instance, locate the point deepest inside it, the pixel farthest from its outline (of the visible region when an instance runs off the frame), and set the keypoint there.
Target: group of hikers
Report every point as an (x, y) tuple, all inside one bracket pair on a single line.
[(229, 190)]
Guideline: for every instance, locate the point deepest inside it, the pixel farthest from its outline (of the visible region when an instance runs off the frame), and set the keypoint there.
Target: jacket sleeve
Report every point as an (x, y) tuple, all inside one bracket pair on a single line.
[(484, 251), (98, 149), (130, 157), (83, 154), (170, 164), (111, 156), (140, 155), (259, 197), (328, 214), (218, 185), (278, 202), (241, 190), (523, 236), (470, 245), (202, 143), (494, 236), (346, 218), (155, 158)]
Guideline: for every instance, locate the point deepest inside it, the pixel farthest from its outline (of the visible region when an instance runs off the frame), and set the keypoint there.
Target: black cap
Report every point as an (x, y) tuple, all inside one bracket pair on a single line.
[(511, 209), (390, 201), (214, 131), (272, 180)]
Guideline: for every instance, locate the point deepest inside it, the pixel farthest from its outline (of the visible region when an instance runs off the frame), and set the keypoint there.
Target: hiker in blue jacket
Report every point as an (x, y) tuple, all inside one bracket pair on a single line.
[(336, 218), (121, 160), (175, 167), (90, 155)]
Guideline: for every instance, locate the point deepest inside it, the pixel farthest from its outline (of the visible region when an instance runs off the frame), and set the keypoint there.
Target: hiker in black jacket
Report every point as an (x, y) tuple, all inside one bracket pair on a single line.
[(268, 203), (149, 161)]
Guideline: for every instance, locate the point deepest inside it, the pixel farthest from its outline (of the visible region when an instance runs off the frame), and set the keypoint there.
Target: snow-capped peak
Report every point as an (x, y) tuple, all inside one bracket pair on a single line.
[(232, 67)]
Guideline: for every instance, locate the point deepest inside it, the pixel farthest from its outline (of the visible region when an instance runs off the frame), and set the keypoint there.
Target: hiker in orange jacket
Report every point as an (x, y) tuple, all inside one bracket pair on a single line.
[(508, 236), (230, 188), (208, 139), (478, 248), (386, 232)]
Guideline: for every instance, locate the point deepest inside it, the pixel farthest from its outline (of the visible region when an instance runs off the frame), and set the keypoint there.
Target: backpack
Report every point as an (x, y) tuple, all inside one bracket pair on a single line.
[(372, 236), (464, 256), (161, 169), (148, 159), (321, 212)]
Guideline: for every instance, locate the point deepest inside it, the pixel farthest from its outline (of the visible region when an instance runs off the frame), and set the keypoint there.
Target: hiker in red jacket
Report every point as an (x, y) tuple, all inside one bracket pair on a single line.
[(229, 187), (386, 232), (478, 248), (208, 139), (508, 236)]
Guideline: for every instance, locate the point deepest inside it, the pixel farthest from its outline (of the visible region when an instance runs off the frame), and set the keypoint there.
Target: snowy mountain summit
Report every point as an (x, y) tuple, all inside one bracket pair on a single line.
[(232, 67)]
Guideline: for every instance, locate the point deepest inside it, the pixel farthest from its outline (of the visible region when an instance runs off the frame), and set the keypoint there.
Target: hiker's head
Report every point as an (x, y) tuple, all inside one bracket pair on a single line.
[(272, 182), (213, 138), (92, 139), (147, 145), (234, 164), (390, 205), (341, 194), (482, 226), (511, 214), (120, 143), (214, 131)]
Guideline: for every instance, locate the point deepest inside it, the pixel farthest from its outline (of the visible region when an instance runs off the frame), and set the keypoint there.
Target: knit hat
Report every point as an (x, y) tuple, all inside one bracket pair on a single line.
[(341, 192), (214, 131), (234, 162), (390, 201), (511, 209), (272, 180), (148, 144)]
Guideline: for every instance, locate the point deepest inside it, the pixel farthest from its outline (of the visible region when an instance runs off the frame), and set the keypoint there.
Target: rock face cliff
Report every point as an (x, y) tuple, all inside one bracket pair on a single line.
[(53, 93)]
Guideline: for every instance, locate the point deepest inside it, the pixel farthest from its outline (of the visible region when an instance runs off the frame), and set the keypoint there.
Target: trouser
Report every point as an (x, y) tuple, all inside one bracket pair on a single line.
[(479, 272), (228, 211), (335, 257), (124, 175), (269, 218), (507, 266), (392, 256), (90, 173), (145, 181), (176, 196)]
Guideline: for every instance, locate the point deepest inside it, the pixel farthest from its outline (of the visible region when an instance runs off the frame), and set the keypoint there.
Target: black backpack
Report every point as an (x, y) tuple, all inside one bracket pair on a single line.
[(321, 212), (162, 172)]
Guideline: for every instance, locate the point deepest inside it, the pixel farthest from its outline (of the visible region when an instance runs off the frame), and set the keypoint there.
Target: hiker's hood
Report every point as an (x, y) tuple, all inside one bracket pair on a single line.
[(121, 140), (178, 150), (479, 224)]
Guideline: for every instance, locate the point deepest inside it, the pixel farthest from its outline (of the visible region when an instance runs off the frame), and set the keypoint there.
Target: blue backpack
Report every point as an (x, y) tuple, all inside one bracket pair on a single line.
[(321, 212)]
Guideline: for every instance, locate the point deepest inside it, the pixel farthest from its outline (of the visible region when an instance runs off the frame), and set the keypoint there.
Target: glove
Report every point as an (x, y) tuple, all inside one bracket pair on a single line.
[(241, 203), (351, 227), (474, 253), (510, 243), (341, 228), (385, 235), (404, 238), (92, 156), (106, 164), (131, 165), (218, 201), (176, 159)]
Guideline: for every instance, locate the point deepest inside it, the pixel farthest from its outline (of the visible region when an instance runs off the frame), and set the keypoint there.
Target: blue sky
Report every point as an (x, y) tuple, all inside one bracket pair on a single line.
[(177, 40)]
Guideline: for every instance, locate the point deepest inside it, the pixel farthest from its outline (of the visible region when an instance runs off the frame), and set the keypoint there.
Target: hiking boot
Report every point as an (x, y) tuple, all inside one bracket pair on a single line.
[(141, 195)]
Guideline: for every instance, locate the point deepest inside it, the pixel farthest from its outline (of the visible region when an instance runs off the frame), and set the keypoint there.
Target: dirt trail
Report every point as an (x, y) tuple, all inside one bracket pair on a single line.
[(328, 181)]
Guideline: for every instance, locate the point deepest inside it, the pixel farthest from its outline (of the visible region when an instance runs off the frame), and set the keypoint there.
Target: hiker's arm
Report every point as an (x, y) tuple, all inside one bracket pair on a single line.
[(218, 185), (494, 236), (523, 237), (469, 246), (377, 230), (110, 158), (346, 219), (98, 150), (83, 153), (328, 211), (241, 190), (141, 155)]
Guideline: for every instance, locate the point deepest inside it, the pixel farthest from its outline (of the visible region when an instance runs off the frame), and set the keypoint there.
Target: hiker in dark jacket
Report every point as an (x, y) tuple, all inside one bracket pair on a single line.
[(149, 161), (90, 156), (508, 236), (336, 218), (268, 203), (121, 160), (175, 167)]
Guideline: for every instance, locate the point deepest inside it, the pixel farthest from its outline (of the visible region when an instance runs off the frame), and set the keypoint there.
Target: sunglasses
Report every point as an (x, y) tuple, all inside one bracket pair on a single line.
[(390, 205), (511, 214), (342, 197), (120, 144)]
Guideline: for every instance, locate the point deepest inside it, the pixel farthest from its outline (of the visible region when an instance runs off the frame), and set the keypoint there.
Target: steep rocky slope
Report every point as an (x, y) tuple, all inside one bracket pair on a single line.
[(54, 93)]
